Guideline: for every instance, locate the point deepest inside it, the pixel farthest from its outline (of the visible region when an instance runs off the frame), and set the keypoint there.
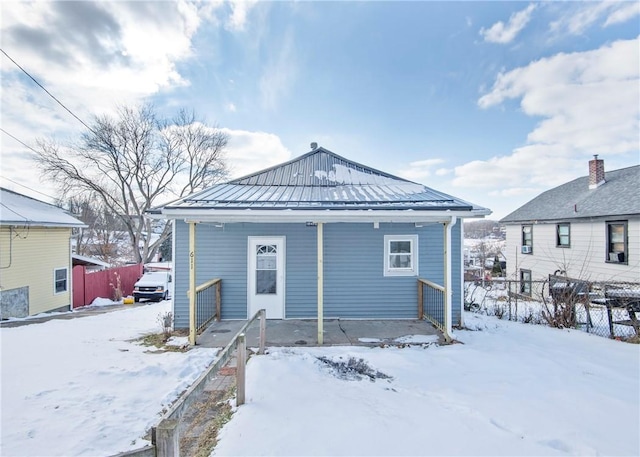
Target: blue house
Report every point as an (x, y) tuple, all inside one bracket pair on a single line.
[(321, 237)]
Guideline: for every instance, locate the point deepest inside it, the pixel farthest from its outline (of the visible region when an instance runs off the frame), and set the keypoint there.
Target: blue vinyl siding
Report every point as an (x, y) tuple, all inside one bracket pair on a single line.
[(354, 282)]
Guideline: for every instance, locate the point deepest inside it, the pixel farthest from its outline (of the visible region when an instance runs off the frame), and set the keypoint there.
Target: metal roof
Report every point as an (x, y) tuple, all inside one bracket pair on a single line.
[(321, 180), (618, 196), (19, 210)]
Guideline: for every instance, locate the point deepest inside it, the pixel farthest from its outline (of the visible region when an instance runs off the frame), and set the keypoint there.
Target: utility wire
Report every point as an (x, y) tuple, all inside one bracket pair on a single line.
[(27, 187), (15, 182), (44, 89), (21, 142)]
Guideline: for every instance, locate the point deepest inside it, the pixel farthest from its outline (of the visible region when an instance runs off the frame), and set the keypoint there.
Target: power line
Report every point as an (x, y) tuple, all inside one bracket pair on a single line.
[(44, 89), (27, 187), (19, 141), (15, 182)]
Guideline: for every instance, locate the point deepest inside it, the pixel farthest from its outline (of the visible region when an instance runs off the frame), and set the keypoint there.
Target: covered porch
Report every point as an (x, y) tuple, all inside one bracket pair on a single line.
[(336, 332), (319, 238)]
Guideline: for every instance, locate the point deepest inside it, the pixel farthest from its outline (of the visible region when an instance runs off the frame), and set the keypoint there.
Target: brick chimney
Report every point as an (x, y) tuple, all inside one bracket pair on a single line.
[(596, 172)]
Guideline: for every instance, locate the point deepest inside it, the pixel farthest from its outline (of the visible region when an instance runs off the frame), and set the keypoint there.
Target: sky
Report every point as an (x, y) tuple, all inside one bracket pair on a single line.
[(492, 102)]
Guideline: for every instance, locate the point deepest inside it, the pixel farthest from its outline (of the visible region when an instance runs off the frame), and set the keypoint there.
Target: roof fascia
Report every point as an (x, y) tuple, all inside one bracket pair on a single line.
[(40, 224), (270, 216), (583, 219)]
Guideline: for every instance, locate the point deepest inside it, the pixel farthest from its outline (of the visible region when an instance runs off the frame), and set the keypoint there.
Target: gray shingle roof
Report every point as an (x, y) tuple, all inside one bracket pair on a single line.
[(618, 196), (321, 179)]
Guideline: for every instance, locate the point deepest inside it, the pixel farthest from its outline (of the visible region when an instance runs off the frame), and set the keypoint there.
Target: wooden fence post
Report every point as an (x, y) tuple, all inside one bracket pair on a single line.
[(263, 330), (240, 368), (167, 441), (420, 300), (218, 300)]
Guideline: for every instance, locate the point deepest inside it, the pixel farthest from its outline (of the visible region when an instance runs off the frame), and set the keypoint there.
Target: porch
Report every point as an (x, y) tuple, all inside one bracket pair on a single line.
[(337, 332)]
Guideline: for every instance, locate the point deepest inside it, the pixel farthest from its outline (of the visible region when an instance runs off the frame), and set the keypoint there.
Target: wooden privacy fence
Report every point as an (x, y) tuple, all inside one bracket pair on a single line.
[(87, 286), (431, 303)]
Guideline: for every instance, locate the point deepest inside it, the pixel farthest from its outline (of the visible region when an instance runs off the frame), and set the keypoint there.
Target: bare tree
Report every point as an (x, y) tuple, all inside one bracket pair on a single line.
[(131, 161), (105, 235)]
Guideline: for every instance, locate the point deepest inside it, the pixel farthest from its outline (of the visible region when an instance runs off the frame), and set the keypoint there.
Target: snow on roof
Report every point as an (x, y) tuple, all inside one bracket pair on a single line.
[(84, 260), (18, 209), (322, 179)]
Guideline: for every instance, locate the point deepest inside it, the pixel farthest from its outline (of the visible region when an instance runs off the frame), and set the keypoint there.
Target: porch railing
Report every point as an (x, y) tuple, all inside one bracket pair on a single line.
[(431, 303), (208, 303)]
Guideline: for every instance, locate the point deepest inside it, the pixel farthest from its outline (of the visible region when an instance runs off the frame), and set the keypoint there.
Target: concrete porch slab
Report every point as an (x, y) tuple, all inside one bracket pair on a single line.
[(304, 332)]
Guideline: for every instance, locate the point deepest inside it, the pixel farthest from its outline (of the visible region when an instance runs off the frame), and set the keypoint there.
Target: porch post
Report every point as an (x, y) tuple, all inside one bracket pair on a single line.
[(320, 240), (192, 283), (448, 292)]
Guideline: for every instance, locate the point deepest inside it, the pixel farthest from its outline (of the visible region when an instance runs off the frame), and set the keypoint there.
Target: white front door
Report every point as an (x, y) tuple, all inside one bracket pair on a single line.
[(266, 276)]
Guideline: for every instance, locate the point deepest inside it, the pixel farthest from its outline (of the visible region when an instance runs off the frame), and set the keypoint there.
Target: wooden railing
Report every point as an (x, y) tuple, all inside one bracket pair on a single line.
[(208, 303), (431, 298), (165, 436)]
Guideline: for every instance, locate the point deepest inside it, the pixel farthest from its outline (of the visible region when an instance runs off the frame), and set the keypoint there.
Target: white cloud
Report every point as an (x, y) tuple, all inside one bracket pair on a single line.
[(231, 107), (505, 33), (93, 54), (248, 152), (420, 169), (587, 14), (279, 74), (239, 12), (582, 15), (589, 100), (588, 103), (514, 192), (623, 13)]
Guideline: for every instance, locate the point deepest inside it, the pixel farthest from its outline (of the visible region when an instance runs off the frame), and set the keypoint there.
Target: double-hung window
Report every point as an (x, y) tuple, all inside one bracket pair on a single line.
[(60, 280), (525, 282), (527, 239), (563, 235), (401, 255), (617, 249)]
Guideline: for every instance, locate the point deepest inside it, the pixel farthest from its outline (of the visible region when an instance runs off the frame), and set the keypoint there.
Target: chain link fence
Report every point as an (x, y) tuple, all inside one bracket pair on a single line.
[(606, 309)]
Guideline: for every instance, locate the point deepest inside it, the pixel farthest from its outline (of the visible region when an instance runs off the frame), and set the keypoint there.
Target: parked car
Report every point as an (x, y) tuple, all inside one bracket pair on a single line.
[(153, 286)]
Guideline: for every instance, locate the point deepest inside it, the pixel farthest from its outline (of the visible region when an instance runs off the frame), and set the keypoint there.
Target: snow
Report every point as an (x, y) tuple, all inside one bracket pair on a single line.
[(99, 302), (369, 340), (417, 339), (83, 387), (23, 210), (510, 389)]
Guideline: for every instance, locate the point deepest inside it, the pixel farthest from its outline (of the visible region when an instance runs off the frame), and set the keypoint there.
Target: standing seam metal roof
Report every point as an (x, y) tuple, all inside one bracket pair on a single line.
[(321, 179)]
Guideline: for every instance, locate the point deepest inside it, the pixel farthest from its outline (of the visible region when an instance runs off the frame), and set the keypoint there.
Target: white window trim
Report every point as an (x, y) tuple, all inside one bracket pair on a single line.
[(66, 290), (413, 271)]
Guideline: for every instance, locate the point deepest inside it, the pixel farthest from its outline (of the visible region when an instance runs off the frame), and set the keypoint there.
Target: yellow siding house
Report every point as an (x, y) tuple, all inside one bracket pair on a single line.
[(35, 256)]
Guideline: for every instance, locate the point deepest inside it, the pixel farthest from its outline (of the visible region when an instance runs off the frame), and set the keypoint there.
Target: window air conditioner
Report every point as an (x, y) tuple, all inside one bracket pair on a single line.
[(616, 257), (526, 249)]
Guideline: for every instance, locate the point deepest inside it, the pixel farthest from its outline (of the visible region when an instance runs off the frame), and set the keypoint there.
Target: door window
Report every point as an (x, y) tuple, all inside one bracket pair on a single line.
[(266, 269)]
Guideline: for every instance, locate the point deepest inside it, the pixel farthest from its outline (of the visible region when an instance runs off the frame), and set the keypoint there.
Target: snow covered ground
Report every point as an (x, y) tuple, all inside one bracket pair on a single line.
[(82, 387), (510, 389)]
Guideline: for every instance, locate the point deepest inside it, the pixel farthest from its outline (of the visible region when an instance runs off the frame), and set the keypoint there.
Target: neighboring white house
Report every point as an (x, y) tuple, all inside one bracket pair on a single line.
[(35, 256), (588, 228)]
